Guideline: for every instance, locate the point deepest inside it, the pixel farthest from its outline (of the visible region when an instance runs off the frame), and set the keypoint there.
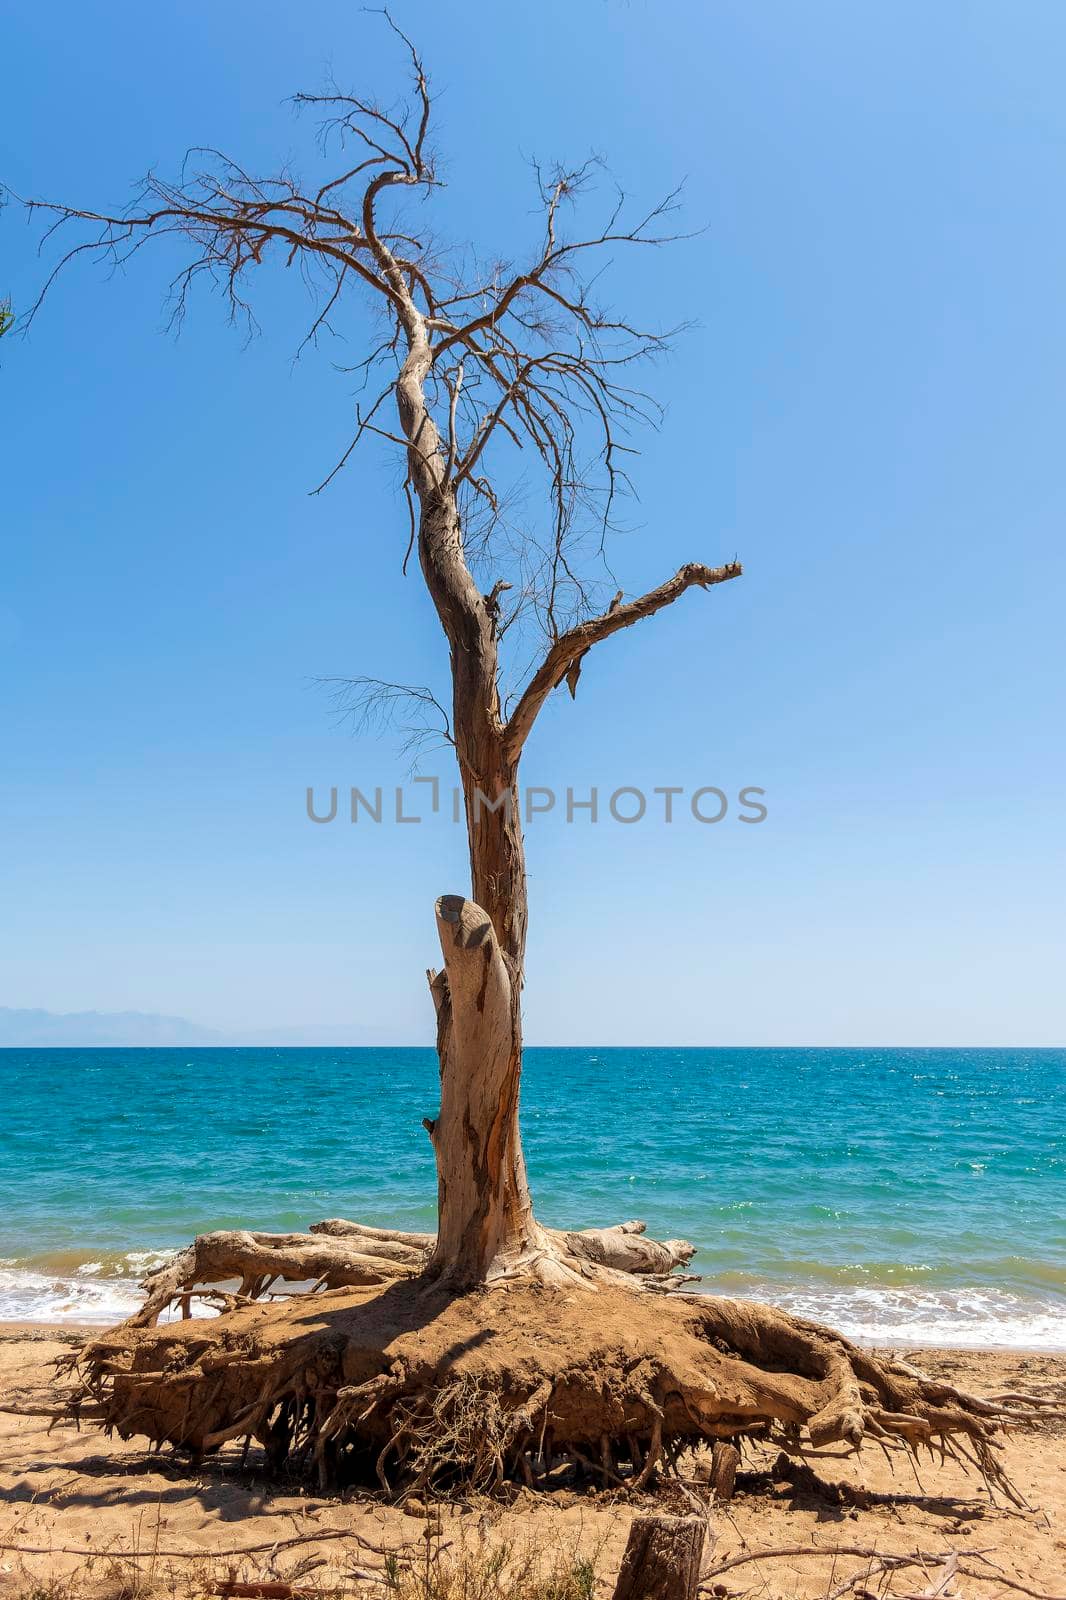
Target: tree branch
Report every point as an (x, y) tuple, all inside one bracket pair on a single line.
[(567, 651), (493, 369)]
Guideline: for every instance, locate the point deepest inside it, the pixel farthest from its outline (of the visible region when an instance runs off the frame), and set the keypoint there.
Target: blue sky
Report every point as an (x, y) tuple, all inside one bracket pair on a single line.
[(868, 411)]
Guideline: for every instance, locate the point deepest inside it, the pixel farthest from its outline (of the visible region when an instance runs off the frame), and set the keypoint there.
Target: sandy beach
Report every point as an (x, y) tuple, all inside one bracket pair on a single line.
[(97, 1517)]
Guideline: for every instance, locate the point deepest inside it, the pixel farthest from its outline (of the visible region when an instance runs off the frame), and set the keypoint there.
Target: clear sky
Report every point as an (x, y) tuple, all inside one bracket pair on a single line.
[(869, 412)]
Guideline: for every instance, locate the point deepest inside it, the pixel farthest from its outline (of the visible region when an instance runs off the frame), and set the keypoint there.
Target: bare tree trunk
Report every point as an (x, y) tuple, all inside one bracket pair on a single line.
[(486, 1223), (498, 861)]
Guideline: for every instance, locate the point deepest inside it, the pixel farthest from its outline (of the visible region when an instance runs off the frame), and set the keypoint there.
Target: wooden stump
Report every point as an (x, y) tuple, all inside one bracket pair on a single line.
[(725, 1459), (662, 1559)]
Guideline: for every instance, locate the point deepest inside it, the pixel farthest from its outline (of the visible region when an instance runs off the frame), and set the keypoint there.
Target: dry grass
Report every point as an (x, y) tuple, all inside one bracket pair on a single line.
[(120, 1582), (507, 1571), (456, 1566)]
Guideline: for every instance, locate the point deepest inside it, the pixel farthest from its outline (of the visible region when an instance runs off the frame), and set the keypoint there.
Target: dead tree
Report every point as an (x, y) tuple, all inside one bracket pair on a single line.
[(476, 372), (475, 369)]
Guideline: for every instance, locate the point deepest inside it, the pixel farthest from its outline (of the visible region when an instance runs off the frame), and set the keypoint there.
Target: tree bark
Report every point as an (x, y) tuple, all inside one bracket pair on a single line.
[(485, 1216), (725, 1459), (498, 859), (486, 1225), (662, 1559)]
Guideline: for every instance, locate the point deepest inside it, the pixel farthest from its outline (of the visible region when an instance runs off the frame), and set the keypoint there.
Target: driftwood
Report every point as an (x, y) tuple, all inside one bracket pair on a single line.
[(233, 1589), (978, 1567), (662, 1559)]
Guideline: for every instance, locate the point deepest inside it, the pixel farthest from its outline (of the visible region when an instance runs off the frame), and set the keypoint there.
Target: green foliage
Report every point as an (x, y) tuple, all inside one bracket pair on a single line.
[(7, 316)]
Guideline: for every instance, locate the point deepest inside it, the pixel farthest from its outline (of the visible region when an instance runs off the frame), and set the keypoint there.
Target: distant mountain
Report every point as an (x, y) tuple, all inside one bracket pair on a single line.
[(83, 1029), (74, 1028)]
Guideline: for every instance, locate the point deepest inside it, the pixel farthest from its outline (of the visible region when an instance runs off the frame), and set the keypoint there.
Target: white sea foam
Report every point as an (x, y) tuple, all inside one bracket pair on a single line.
[(103, 1292), (97, 1292), (44, 1297), (966, 1318)]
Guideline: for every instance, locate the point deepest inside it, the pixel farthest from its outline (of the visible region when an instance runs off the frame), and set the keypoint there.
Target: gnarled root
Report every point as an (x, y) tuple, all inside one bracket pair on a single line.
[(256, 1261), (339, 1254), (406, 1385), (624, 1247)]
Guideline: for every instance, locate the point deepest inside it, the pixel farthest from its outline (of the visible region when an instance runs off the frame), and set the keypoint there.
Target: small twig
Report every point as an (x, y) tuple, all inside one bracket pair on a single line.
[(888, 1562), (271, 1545)]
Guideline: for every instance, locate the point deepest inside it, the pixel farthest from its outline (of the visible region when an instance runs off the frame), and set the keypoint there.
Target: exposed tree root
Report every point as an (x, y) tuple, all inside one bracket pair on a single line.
[(625, 1247), (408, 1386), (338, 1254)]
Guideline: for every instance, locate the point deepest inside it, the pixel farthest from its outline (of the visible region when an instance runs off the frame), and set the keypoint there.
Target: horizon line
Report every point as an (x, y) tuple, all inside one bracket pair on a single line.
[(533, 1045)]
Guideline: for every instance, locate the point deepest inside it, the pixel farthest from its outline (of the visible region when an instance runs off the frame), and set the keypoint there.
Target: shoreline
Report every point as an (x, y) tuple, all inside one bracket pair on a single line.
[(951, 1338), (19, 1330)]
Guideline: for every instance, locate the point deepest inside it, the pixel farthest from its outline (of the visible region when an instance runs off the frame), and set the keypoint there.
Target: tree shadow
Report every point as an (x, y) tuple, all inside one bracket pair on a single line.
[(229, 1485), (802, 1489)]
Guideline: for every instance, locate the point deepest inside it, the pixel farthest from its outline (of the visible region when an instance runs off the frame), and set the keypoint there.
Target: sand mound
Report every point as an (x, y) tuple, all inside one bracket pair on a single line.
[(408, 1384)]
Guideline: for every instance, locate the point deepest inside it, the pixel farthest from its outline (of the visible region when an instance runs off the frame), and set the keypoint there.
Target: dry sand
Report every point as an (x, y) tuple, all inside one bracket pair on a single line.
[(76, 1504)]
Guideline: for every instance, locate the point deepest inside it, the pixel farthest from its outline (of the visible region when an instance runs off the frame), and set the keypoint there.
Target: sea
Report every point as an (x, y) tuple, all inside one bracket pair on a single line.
[(908, 1197)]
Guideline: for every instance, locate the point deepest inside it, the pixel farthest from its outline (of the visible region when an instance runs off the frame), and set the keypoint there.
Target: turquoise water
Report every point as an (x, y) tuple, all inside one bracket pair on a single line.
[(907, 1194)]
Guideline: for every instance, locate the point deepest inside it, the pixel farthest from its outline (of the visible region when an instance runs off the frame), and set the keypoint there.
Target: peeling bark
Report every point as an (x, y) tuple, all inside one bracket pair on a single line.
[(485, 1214)]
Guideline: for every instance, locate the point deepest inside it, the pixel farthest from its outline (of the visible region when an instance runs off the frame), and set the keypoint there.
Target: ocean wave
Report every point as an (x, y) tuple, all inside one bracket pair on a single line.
[(45, 1297), (75, 1286), (92, 1263), (103, 1289), (974, 1318)]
